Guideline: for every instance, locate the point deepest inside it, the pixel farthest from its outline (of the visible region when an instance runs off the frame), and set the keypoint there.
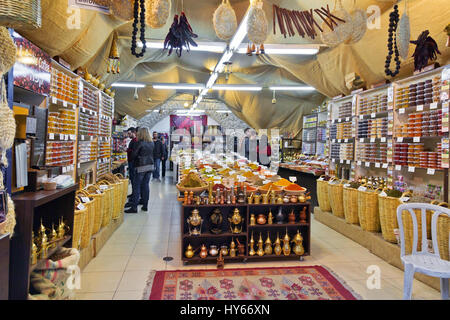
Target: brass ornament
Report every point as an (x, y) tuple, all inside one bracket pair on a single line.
[(236, 221), (260, 250), (268, 245), (195, 223), (277, 246), (298, 247)]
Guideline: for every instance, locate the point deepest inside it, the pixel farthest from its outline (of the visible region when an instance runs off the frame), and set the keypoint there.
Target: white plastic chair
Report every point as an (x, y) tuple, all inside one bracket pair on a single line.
[(423, 261)]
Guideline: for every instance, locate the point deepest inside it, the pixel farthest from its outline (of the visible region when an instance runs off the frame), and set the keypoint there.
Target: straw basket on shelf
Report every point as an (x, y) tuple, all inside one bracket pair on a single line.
[(443, 231), (116, 200), (108, 206), (335, 192), (387, 207), (79, 218), (350, 200), (322, 195), (124, 189), (368, 215), (95, 193), (88, 220), (21, 14)]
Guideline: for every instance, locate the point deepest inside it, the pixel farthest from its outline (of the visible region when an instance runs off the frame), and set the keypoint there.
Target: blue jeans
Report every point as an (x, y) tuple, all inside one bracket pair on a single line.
[(141, 189), (157, 162), (132, 173)]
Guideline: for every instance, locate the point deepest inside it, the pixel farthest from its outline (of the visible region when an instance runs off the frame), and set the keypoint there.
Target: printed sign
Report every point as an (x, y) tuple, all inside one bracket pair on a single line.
[(89, 5)]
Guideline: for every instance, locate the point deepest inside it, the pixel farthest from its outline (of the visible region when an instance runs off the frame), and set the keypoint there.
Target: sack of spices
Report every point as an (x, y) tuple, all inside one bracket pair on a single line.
[(224, 20), (157, 12)]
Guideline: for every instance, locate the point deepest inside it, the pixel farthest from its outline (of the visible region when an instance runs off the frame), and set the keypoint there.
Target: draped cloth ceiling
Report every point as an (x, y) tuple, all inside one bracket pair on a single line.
[(88, 46)]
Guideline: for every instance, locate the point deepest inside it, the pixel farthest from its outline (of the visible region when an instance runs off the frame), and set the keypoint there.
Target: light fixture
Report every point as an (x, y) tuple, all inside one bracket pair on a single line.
[(186, 104), (211, 80), (274, 100), (292, 49), (292, 88), (128, 85), (238, 87), (178, 86), (136, 96), (223, 111)]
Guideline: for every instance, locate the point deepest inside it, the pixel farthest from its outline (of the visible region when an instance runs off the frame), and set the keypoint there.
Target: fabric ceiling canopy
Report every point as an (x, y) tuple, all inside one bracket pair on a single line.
[(88, 46)]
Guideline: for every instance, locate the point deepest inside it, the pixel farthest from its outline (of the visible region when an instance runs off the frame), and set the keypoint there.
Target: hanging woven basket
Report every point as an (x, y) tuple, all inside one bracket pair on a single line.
[(21, 14), (7, 51), (122, 9), (257, 27), (7, 124), (359, 25), (157, 12), (224, 20), (403, 35), (340, 33)]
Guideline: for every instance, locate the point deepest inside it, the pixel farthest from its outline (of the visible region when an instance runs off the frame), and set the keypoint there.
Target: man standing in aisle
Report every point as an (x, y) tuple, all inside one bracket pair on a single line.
[(131, 170), (165, 154), (157, 155)]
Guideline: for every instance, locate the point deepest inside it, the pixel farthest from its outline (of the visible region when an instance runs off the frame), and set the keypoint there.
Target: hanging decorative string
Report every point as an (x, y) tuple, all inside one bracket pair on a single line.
[(426, 50), (137, 4), (403, 34), (392, 42), (114, 58)]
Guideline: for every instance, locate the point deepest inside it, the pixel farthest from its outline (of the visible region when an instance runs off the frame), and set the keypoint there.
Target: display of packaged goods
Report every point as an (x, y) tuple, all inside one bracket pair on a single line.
[(64, 87), (373, 128), (372, 152), (341, 131), (309, 135), (87, 151), (89, 99), (345, 110), (105, 127), (104, 150), (59, 153), (102, 167), (87, 124), (374, 104), (106, 105), (62, 122), (342, 151), (421, 124), (419, 93)]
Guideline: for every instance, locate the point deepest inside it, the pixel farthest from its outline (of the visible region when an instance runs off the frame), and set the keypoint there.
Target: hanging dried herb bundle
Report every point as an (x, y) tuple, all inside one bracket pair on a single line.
[(426, 49), (180, 35)]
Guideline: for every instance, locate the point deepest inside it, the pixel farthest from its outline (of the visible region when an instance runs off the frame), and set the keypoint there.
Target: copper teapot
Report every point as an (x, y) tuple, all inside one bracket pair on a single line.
[(261, 219)]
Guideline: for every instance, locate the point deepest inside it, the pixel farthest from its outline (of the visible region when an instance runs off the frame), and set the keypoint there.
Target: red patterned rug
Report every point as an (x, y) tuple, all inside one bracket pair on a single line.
[(284, 283)]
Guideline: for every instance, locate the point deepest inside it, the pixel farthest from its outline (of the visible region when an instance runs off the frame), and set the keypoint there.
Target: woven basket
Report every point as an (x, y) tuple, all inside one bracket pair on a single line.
[(224, 20), (387, 207), (7, 51), (335, 192), (7, 124), (79, 219), (124, 189), (257, 26), (322, 195), (369, 218), (122, 9), (359, 26), (157, 12), (107, 204), (117, 197), (350, 200), (86, 235), (443, 230), (21, 14), (340, 33), (94, 192)]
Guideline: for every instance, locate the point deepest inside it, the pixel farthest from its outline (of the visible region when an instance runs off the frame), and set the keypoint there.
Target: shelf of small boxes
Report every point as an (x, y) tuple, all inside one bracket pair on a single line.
[(341, 130), (64, 86)]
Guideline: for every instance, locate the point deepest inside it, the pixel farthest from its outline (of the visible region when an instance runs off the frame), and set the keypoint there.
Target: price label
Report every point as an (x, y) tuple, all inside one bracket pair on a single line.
[(292, 179), (361, 140), (82, 137), (362, 188), (416, 139), (372, 140), (372, 115), (346, 140), (430, 171), (348, 161), (404, 199), (341, 161), (103, 187), (64, 170), (385, 165), (445, 74), (347, 119), (51, 136), (265, 181), (383, 194), (361, 117), (64, 103), (78, 166), (90, 112), (333, 160), (367, 164), (419, 107), (72, 137), (411, 169), (54, 100), (339, 120), (400, 139), (383, 139), (359, 163), (92, 138), (377, 165), (401, 111), (390, 94), (85, 199), (81, 206), (434, 105), (398, 167)]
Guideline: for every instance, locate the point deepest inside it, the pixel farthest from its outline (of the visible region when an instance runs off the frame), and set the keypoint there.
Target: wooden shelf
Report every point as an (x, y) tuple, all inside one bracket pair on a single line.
[(39, 198), (214, 205), (59, 245), (211, 258), (282, 225), (281, 256), (213, 235)]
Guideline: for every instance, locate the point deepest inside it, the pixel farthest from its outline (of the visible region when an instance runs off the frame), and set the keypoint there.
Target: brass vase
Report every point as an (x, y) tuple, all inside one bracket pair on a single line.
[(260, 250), (286, 244), (252, 252), (236, 221), (195, 222), (268, 245), (298, 247), (277, 246)]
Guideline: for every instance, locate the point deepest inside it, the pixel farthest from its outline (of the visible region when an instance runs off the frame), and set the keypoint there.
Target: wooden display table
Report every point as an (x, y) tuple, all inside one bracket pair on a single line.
[(31, 208), (224, 238)]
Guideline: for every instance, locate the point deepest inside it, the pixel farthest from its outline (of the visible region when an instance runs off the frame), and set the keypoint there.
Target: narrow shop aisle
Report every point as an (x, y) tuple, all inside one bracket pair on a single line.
[(121, 269)]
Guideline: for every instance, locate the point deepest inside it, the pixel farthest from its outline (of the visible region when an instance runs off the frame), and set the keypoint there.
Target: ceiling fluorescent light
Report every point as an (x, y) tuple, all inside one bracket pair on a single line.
[(178, 86), (293, 49), (223, 111), (128, 85), (211, 81), (292, 88), (236, 87), (240, 33)]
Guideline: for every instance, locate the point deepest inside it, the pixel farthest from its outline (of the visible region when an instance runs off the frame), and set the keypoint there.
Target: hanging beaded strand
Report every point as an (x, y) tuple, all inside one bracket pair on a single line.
[(392, 41), (135, 28)]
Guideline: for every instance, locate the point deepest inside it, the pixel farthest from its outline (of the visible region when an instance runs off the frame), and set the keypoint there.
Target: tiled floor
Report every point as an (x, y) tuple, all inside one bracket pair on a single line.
[(121, 269)]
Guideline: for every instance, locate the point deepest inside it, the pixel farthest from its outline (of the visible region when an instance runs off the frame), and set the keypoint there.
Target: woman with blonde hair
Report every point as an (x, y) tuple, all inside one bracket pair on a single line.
[(142, 159)]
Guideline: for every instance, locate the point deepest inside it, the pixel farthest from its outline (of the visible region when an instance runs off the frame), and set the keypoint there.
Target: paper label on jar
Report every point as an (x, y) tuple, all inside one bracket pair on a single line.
[(377, 165), (411, 169), (385, 165), (398, 167), (80, 206), (359, 163), (383, 139), (400, 139), (54, 100), (416, 139), (51, 136), (401, 111), (430, 171), (419, 107), (367, 164)]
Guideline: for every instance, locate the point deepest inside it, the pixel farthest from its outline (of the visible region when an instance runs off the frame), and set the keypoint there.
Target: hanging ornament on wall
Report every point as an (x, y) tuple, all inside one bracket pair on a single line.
[(359, 24), (224, 20), (114, 58), (180, 36), (139, 7), (447, 30), (426, 49), (403, 34), (392, 44), (257, 26), (157, 12)]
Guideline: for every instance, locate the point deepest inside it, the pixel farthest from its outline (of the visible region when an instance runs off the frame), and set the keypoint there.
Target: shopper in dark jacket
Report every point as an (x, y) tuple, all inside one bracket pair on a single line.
[(164, 156), (132, 135), (157, 155), (142, 158)]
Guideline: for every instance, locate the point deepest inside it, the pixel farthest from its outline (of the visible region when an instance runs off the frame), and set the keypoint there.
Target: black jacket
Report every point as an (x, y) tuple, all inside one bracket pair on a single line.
[(142, 154), (158, 149), (165, 150)]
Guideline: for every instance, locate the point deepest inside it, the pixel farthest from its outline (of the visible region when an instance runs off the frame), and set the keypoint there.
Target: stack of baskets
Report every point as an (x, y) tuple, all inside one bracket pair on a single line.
[(89, 203), (335, 193), (79, 219), (124, 189), (106, 188), (350, 201), (95, 193), (322, 194), (369, 218), (388, 215), (117, 200)]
